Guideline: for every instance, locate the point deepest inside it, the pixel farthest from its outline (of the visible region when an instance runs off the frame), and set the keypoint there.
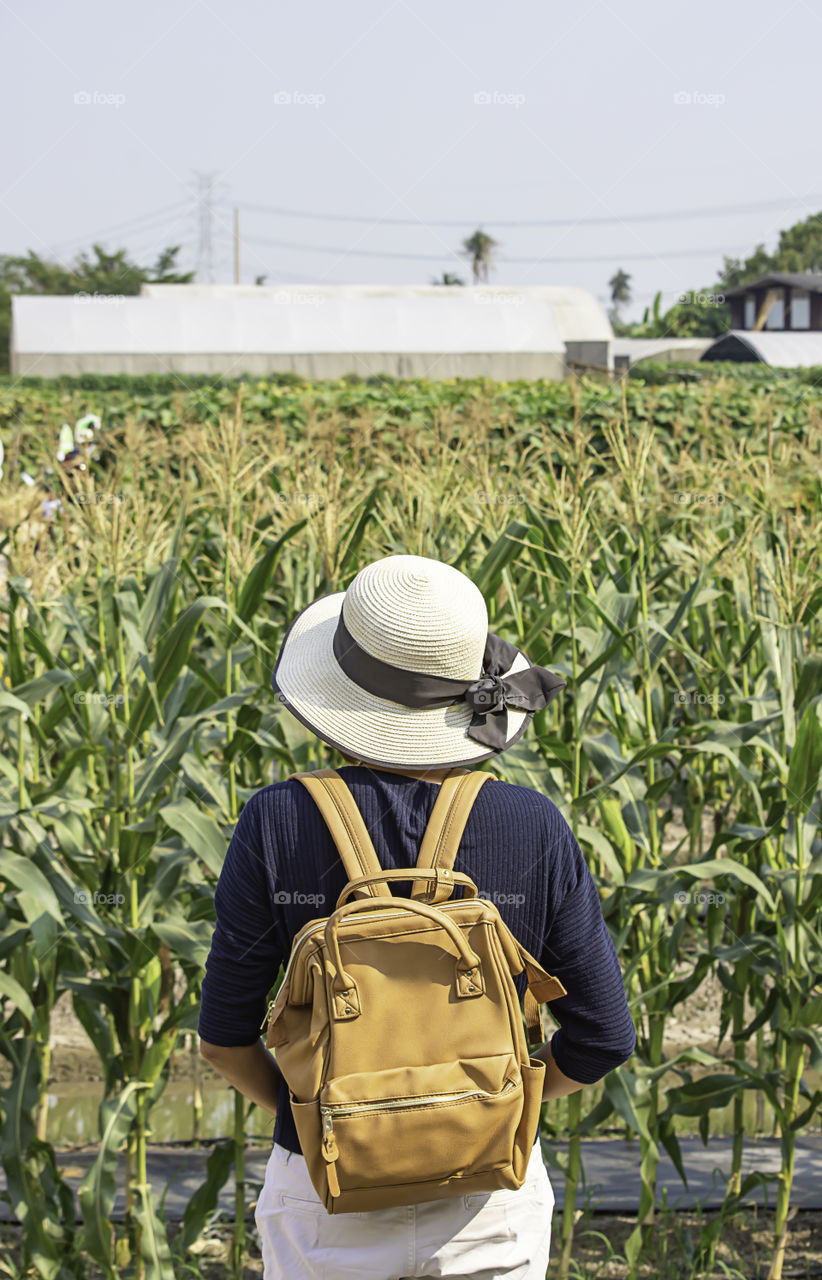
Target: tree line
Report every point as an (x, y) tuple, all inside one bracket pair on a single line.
[(703, 313), (700, 313)]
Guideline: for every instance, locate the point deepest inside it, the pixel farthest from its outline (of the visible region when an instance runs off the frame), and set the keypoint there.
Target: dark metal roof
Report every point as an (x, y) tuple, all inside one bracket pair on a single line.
[(797, 279), (775, 347)]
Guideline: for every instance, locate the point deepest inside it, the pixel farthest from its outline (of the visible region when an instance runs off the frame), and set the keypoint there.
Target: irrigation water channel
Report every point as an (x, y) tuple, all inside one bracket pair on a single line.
[(74, 1114), (610, 1160), (611, 1180)]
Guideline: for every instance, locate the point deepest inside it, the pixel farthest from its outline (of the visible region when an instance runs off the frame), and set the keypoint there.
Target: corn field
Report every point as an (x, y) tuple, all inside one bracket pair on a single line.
[(657, 546)]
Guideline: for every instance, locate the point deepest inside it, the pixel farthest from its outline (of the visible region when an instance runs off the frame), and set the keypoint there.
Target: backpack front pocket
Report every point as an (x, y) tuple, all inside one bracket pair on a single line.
[(385, 1127)]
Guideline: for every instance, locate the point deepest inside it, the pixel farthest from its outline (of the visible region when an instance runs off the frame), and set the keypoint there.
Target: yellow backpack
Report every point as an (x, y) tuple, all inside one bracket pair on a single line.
[(397, 1025)]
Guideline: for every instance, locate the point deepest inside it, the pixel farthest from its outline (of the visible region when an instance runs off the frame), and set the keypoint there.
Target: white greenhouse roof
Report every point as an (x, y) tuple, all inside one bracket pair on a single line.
[(643, 348), (579, 315), (293, 320), (782, 350)]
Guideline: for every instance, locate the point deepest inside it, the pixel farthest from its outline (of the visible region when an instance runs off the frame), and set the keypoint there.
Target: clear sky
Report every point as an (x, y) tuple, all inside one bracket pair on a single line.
[(474, 113)]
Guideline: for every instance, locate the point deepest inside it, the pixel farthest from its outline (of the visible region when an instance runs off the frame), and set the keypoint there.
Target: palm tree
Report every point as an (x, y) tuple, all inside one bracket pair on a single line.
[(479, 247), (620, 286)]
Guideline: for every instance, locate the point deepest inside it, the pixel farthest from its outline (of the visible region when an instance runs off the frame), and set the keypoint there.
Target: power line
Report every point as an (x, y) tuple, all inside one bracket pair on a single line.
[(176, 231), (279, 275), (671, 215), (123, 226), (437, 257), (634, 257), (206, 190)]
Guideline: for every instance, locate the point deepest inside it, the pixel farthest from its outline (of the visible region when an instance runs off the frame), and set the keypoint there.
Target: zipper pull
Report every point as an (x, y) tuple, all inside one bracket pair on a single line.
[(271, 1005), (330, 1148), (330, 1152)]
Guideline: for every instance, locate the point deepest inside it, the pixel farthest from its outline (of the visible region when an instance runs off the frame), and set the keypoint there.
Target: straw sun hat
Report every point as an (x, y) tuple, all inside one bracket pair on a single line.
[(402, 670)]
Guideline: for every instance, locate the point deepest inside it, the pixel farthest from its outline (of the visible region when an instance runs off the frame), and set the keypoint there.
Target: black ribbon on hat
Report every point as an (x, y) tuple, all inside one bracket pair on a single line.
[(489, 696)]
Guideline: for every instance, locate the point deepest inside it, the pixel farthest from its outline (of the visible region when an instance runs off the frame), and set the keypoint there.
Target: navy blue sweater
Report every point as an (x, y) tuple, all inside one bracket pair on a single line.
[(282, 870)]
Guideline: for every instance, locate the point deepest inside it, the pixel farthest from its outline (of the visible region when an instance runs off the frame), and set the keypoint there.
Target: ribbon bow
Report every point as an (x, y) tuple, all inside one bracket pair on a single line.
[(491, 695)]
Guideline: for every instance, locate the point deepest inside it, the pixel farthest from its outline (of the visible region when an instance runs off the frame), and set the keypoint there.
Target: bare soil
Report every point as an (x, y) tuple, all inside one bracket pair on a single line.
[(744, 1250)]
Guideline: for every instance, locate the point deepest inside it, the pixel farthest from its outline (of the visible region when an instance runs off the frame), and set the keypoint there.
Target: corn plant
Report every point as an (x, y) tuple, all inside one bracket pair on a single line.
[(136, 719)]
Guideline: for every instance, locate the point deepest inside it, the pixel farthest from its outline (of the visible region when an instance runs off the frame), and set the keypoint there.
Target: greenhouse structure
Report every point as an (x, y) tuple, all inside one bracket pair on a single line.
[(316, 331)]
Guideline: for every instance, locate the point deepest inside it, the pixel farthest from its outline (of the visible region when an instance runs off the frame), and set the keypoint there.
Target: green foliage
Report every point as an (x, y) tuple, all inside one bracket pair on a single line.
[(95, 272), (658, 544), (98, 1188), (479, 247), (620, 286), (703, 313), (696, 315), (36, 1192), (753, 376), (799, 249), (737, 270)]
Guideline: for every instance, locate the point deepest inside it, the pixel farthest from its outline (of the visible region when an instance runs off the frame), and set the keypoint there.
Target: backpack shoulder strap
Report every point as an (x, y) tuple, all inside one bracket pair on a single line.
[(444, 831), (348, 830), (542, 987)]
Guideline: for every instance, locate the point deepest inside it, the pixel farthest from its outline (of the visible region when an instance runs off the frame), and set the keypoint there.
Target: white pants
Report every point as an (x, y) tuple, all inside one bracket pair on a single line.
[(472, 1237)]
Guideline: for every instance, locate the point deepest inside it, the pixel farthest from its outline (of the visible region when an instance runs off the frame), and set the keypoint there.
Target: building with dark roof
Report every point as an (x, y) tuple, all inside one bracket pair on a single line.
[(792, 301)]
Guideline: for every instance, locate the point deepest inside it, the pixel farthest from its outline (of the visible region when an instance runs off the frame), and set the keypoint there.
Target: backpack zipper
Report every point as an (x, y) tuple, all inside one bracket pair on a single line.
[(268, 1011), (394, 1104), (331, 1151)]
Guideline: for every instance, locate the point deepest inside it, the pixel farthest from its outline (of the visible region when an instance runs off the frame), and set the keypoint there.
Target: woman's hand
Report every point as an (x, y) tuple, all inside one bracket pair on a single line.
[(556, 1083)]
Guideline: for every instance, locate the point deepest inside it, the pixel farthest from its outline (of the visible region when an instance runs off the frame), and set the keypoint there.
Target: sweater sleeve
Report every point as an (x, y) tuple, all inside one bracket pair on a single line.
[(246, 953), (596, 1032)]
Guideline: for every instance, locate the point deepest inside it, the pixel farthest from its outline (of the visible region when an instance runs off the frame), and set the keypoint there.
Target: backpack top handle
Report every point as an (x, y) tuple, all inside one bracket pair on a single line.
[(439, 875)]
